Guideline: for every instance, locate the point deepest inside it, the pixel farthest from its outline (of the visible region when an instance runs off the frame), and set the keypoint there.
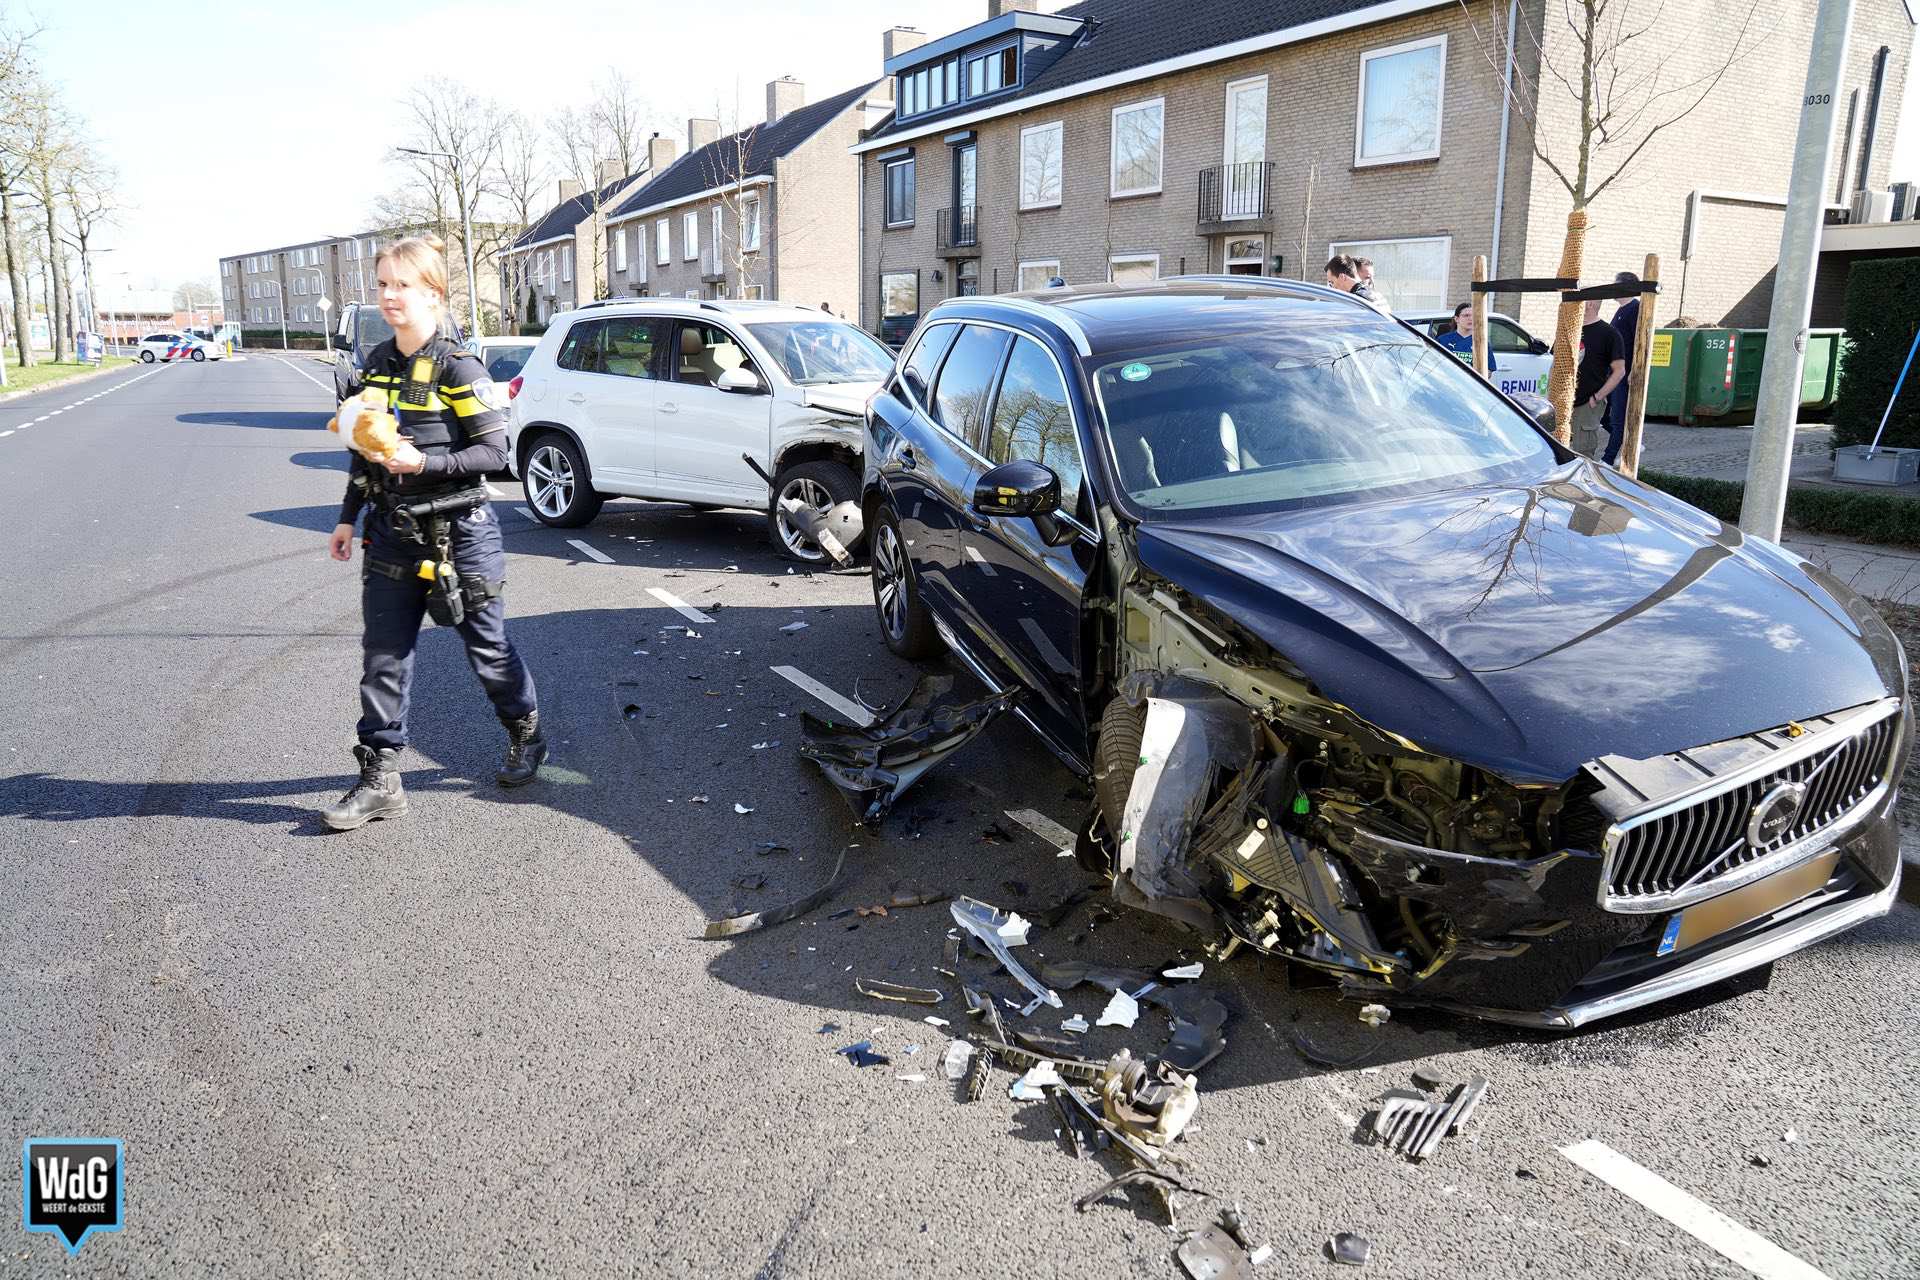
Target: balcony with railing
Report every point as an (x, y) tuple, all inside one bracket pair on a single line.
[(959, 231), (1236, 197)]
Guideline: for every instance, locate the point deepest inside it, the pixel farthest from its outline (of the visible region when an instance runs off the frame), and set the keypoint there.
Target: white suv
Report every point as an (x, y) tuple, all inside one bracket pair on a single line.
[(695, 402)]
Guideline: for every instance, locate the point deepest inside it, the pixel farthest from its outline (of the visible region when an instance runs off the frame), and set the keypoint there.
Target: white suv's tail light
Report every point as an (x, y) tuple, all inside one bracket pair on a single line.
[(513, 388)]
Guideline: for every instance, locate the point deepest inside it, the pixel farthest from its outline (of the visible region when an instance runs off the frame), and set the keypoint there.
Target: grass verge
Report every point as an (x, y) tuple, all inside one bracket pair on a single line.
[(47, 372)]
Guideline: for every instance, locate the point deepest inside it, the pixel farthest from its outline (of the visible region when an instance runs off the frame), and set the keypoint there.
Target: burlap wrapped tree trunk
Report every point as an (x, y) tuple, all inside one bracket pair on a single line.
[(1566, 334)]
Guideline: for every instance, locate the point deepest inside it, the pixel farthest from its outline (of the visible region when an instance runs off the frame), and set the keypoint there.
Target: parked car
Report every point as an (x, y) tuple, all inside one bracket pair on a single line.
[(504, 357), (1366, 670), (1523, 359), (361, 328), (681, 400), (173, 345)]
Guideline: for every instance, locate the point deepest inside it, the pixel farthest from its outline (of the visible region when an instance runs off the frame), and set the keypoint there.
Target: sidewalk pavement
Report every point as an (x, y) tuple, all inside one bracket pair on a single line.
[(1720, 453)]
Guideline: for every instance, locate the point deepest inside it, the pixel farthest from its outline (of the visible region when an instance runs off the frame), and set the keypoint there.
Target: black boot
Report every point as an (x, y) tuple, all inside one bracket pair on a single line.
[(526, 749), (378, 794)]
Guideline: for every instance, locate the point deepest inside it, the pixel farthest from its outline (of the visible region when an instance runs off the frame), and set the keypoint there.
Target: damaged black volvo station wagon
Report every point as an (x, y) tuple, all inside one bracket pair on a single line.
[(1367, 671)]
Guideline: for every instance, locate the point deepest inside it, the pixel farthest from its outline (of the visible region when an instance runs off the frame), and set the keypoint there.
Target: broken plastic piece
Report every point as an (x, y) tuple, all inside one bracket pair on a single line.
[(1413, 1124), (792, 627), (978, 1076), (915, 1078), (894, 991), (983, 921), (1428, 1079), (1121, 1011), (1193, 970), (1375, 1014), (1349, 1249), (740, 808), (1075, 1024), (1133, 1177), (862, 1055), (1150, 1103), (733, 926), (749, 882), (1260, 1255), (1322, 1057), (1211, 1254), (1026, 1010), (959, 1054), (936, 1022), (1013, 931), (1031, 1086), (874, 765)]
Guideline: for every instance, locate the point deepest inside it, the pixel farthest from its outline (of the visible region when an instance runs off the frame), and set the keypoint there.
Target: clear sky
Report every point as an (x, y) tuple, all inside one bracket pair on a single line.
[(243, 126)]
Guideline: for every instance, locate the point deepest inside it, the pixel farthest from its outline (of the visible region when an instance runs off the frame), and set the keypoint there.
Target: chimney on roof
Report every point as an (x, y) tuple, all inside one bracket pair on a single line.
[(569, 188), (700, 131), (899, 40), (608, 172), (784, 96), (660, 153), (997, 7)]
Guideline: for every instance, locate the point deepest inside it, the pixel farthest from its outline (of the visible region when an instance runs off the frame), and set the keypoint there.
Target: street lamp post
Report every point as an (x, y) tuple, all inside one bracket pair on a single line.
[(466, 234)]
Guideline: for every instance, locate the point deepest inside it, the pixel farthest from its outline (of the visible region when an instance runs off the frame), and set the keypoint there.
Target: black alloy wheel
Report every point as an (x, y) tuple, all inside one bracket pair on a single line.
[(904, 621)]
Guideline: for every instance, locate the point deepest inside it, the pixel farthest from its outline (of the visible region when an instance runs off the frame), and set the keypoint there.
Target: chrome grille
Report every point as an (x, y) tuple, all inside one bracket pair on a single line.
[(1679, 854)]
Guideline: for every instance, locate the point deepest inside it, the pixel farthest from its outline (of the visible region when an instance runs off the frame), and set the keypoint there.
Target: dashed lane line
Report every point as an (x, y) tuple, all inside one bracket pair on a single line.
[(1695, 1217), (678, 605), (1047, 829), (303, 373), (854, 713), (590, 553)]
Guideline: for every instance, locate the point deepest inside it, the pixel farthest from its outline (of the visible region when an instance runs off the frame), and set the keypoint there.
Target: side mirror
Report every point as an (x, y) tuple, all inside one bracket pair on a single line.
[(1538, 347), (742, 381), (1024, 488), (338, 341)]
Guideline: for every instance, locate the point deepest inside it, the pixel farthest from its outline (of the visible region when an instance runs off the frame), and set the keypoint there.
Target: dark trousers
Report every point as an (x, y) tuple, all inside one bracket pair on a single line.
[(391, 612), (1616, 423)]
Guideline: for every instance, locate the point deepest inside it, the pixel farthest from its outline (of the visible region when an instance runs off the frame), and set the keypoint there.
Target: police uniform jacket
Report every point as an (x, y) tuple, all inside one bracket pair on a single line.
[(445, 403)]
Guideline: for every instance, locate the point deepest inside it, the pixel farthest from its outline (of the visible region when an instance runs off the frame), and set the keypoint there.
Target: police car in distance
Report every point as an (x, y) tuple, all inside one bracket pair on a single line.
[(173, 345), (1523, 358)]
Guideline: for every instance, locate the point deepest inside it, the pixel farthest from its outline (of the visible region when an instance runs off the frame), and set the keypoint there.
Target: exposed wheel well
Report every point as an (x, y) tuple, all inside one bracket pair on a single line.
[(530, 436), (819, 451)]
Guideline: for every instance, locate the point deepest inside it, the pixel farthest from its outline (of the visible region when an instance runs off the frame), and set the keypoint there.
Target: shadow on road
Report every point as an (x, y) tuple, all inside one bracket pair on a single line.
[(272, 420)]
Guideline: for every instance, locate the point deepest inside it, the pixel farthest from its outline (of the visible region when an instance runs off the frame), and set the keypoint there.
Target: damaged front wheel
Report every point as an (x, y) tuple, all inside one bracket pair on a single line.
[(904, 621)]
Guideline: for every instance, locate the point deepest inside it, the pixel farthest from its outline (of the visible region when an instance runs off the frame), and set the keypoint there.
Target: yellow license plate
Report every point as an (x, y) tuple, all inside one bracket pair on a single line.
[(1731, 910)]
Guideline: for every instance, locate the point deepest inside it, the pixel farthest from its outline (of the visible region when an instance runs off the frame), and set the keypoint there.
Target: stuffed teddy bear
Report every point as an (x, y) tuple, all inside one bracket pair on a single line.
[(366, 427)]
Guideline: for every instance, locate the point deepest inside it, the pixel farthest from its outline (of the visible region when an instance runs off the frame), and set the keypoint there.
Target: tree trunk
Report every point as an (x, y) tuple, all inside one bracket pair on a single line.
[(1566, 334), (60, 304), (16, 281)]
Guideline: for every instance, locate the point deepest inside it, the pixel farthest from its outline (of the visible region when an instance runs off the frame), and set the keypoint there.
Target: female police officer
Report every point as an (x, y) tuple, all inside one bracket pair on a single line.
[(432, 542)]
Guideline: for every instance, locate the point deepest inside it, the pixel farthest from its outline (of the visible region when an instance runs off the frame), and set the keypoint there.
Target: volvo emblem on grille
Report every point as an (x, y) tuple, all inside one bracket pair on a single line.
[(1774, 816)]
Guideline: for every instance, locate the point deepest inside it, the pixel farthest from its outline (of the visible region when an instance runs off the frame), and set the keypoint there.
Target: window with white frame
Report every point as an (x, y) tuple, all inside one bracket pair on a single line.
[(1034, 275), (717, 242), (690, 235), (662, 253), (1042, 160), (226, 268), (640, 250), (1408, 275), (1401, 91), (1137, 145), (566, 264), (1133, 268), (620, 249), (899, 192), (750, 224)]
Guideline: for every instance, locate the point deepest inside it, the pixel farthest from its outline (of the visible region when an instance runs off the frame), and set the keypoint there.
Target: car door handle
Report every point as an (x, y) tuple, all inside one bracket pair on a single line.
[(576, 398), (669, 407), (908, 461)]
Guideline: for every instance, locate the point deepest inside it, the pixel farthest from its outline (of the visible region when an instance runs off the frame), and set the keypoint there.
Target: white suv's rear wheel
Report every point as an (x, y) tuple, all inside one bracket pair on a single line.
[(559, 491)]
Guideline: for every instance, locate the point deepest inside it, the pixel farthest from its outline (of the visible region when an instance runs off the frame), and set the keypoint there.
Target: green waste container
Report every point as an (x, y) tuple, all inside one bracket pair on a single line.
[(1711, 377)]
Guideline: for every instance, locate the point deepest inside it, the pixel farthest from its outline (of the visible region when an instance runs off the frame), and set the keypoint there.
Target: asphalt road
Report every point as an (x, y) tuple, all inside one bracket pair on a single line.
[(488, 1040)]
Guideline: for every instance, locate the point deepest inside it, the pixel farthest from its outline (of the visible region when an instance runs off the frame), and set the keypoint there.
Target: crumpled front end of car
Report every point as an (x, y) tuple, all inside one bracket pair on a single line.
[(1235, 797)]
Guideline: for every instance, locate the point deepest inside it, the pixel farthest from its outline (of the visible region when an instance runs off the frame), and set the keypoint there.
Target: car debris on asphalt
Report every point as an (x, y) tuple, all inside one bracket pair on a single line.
[(895, 991), (874, 765), (1349, 1249), (1412, 1123)]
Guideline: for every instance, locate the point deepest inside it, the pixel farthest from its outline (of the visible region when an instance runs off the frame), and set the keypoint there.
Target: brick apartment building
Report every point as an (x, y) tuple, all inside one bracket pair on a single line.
[(556, 264), (259, 289), (1104, 141), (771, 211)]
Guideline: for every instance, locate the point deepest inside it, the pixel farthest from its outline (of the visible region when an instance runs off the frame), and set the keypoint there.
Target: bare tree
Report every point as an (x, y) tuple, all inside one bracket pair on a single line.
[(1633, 72), (43, 133), (619, 115), (19, 85), (462, 131), (522, 173), (87, 187), (584, 140), (742, 257)]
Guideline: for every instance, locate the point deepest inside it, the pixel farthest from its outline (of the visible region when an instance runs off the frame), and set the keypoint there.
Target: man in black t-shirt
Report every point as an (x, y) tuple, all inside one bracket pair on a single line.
[(1603, 364)]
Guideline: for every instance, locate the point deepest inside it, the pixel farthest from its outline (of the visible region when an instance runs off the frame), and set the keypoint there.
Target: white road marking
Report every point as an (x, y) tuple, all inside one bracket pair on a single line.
[(5, 434), (678, 605), (303, 373), (1695, 1217), (528, 514), (1046, 828), (589, 552), (852, 711)]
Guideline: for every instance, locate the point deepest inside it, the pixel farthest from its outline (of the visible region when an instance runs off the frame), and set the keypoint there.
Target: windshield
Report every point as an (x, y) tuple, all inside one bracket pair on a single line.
[(1315, 408), (811, 352), (372, 328)]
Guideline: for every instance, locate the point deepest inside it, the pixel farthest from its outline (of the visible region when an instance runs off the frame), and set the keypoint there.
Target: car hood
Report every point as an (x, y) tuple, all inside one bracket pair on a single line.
[(840, 397), (1529, 628)]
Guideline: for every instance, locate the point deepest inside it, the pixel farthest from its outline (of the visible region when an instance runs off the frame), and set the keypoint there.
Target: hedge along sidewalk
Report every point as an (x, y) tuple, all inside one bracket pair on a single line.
[(66, 373), (1843, 513)]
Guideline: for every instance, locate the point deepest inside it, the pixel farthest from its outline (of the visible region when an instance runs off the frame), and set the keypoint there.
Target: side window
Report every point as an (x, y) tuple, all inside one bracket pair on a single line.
[(631, 344), (917, 372), (706, 352), (506, 362), (960, 397), (1503, 335), (1031, 419), (580, 351)]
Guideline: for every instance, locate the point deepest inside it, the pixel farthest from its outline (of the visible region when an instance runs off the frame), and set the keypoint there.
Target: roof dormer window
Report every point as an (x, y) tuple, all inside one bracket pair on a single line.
[(992, 71)]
